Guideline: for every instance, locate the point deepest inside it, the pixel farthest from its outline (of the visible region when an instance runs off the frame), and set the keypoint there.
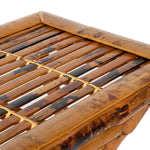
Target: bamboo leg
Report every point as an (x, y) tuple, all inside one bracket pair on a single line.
[(127, 128)]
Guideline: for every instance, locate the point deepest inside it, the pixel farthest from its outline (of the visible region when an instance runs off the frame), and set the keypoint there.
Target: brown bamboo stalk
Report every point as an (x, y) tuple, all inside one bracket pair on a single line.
[(54, 84), (67, 89), (25, 37), (31, 75), (19, 25), (30, 42), (46, 112), (37, 55), (98, 35), (50, 58), (35, 47)]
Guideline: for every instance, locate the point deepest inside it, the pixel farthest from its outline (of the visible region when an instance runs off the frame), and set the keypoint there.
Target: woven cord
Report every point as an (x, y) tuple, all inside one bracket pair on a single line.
[(9, 112)]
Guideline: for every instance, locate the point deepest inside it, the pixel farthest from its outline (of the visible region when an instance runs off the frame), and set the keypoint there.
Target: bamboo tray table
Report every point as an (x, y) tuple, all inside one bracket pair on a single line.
[(67, 86)]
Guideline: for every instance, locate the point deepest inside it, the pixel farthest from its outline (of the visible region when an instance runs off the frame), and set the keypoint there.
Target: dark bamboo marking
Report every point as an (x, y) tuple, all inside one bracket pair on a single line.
[(60, 93), (41, 71), (64, 51), (36, 55), (32, 41), (25, 37), (49, 58), (46, 112), (118, 72), (81, 60), (35, 47), (98, 62)]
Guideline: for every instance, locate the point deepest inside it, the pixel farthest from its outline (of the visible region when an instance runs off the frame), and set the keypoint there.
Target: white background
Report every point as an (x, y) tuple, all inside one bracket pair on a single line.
[(129, 18)]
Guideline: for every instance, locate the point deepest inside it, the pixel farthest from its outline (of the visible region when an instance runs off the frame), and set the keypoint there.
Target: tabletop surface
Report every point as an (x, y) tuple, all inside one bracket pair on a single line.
[(45, 70)]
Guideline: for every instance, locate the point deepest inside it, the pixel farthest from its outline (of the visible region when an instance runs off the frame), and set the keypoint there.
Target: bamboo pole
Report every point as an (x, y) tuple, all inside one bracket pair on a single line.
[(110, 39)]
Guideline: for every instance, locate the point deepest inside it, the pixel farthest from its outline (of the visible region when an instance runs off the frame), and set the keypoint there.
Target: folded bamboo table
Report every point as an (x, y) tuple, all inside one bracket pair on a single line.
[(65, 86)]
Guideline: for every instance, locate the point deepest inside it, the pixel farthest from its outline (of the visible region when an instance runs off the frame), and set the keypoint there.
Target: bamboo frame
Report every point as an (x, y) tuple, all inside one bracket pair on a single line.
[(129, 45), (101, 36), (19, 24), (114, 101)]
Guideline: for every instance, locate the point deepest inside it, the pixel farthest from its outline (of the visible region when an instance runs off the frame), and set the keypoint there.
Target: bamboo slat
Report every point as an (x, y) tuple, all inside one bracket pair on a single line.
[(25, 37)]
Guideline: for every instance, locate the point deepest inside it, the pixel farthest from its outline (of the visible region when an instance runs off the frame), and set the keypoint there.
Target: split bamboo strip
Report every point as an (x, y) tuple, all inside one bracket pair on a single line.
[(28, 36), (37, 55), (46, 112), (36, 47), (40, 71), (50, 58), (25, 99), (10, 112), (18, 91), (30, 42), (69, 88)]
